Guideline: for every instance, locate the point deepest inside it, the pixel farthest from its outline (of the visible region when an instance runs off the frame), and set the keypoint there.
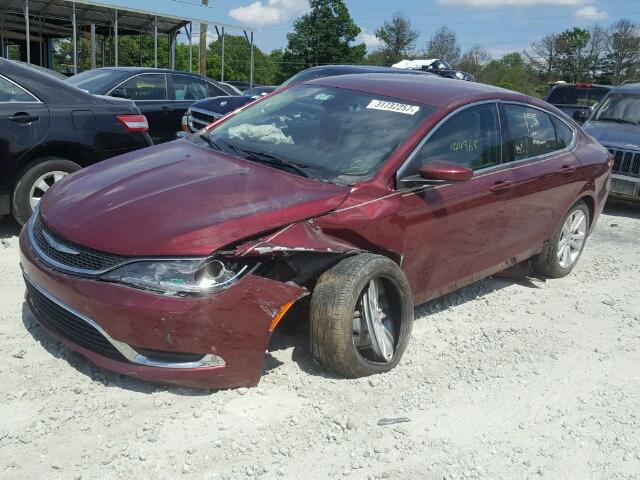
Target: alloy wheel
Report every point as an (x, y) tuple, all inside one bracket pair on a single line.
[(42, 184), (572, 238), (374, 329)]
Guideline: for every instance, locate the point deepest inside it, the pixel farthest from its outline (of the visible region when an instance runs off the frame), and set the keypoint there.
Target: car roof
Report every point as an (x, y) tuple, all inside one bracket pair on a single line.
[(356, 68), (147, 70), (628, 88), (430, 90)]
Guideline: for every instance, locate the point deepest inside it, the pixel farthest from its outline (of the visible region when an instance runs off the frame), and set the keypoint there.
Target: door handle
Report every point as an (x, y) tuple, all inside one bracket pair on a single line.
[(567, 170), (501, 186), (23, 118)]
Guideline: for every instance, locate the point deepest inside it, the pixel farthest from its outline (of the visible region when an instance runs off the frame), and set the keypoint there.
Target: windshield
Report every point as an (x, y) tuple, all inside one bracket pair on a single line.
[(97, 81), (617, 107), (573, 95), (331, 134)]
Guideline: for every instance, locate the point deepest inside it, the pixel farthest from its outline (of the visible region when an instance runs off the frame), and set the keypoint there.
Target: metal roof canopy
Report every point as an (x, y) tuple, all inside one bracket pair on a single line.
[(64, 18)]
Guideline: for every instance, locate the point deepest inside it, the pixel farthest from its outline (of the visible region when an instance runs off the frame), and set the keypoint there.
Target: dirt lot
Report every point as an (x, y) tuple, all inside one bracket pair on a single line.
[(503, 379)]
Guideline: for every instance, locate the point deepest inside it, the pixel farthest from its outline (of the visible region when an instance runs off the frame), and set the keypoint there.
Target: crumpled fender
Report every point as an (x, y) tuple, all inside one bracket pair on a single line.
[(297, 237)]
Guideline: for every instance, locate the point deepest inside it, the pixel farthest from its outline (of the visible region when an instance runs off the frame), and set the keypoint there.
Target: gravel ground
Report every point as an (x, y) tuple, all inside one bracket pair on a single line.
[(504, 379)]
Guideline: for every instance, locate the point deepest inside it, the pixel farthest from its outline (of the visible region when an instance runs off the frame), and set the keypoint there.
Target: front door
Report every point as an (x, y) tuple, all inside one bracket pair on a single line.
[(456, 232)]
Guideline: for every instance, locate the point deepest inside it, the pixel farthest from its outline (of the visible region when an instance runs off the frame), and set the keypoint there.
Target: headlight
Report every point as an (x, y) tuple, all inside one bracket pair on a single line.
[(178, 276), (460, 75)]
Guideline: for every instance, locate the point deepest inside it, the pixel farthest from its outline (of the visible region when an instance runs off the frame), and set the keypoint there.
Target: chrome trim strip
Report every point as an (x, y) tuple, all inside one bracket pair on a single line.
[(129, 353)]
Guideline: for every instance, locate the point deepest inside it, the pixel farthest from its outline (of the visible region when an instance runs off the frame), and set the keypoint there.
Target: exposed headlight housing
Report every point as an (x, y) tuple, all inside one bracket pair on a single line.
[(176, 277), (460, 75)]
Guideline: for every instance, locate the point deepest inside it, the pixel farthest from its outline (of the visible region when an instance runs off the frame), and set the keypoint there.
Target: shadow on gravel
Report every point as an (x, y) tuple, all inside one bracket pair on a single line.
[(88, 369), (622, 208), (8, 228)]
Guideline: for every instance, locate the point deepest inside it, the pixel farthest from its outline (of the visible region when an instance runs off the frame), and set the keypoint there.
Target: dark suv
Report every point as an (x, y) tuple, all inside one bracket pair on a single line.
[(616, 124)]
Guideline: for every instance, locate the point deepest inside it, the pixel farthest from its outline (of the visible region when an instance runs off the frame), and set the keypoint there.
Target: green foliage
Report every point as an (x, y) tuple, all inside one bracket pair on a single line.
[(511, 72), (397, 37), (322, 36)]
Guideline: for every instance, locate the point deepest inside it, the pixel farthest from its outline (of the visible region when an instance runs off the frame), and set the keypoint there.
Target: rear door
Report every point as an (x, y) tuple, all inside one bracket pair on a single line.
[(187, 89), (545, 172), (456, 232), (24, 122), (150, 93)]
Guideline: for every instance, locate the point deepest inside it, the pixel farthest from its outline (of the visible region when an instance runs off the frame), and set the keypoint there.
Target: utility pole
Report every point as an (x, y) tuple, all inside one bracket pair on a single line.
[(203, 44)]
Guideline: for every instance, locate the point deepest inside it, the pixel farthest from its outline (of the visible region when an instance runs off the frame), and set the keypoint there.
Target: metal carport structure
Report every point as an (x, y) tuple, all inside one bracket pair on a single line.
[(36, 22)]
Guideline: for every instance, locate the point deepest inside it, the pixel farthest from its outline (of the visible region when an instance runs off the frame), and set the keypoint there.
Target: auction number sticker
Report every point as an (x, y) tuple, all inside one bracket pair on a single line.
[(393, 107)]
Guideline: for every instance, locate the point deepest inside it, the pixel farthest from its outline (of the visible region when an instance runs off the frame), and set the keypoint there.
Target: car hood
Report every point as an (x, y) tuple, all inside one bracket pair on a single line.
[(615, 135), (179, 199)]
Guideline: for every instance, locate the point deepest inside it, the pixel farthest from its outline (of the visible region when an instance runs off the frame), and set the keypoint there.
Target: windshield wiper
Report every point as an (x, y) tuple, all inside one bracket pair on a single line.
[(617, 120), (269, 159), (212, 143)]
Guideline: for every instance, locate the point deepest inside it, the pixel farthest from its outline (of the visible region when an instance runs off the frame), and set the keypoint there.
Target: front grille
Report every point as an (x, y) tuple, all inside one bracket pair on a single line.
[(68, 325), (86, 260), (201, 119), (625, 162)]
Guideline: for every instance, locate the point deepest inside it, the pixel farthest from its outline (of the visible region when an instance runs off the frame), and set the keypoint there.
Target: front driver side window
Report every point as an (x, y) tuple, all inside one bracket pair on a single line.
[(470, 138)]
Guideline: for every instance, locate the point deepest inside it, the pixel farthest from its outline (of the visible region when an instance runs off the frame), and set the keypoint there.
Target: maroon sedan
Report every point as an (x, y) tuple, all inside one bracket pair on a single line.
[(371, 193)]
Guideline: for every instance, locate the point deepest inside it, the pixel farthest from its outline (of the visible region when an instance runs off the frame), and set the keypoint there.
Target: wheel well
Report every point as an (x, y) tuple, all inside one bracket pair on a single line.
[(591, 205), (65, 152)]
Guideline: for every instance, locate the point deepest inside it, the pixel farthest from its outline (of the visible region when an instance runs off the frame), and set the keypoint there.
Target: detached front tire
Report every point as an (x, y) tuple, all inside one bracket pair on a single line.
[(361, 316), (34, 181), (566, 246)]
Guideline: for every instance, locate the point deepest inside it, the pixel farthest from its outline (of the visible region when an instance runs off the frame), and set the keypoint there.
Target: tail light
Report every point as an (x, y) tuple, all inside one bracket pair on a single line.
[(134, 123)]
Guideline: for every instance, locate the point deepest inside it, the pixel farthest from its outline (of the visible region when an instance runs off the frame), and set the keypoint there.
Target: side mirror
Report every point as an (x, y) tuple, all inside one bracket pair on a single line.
[(440, 171), (119, 93), (580, 116)]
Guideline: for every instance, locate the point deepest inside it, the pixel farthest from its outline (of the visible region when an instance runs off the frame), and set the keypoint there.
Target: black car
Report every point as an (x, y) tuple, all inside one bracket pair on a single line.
[(240, 85), (436, 66), (49, 129), (202, 113), (162, 95), (577, 99), (615, 123)]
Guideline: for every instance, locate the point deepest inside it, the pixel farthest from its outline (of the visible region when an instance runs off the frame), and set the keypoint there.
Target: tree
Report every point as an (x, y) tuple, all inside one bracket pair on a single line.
[(594, 52), (474, 59), (398, 38), (543, 57), (572, 61), (323, 36), (623, 49), (444, 45), (512, 72)]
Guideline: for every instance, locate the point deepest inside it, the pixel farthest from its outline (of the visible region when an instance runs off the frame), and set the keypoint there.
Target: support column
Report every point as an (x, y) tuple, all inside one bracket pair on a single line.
[(189, 33), (75, 38), (172, 50), (2, 47), (251, 66), (115, 31), (93, 45), (25, 10), (140, 48), (222, 57), (155, 42)]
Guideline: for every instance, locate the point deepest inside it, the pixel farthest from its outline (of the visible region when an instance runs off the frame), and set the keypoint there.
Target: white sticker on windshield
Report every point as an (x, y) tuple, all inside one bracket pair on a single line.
[(393, 107), (323, 97)]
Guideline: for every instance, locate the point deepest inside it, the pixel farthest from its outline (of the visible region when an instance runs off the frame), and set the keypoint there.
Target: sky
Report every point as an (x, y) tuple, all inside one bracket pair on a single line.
[(500, 26)]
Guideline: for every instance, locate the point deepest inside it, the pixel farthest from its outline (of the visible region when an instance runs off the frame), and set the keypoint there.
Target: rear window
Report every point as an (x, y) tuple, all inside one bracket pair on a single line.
[(575, 95), (97, 81)]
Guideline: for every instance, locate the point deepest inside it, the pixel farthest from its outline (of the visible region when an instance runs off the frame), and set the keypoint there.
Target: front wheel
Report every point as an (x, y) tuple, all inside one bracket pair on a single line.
[(35, 181), (566, 246), (361, 316)]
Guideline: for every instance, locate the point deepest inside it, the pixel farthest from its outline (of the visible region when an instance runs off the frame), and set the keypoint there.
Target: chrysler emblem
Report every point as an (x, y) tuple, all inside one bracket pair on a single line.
[(56, 245)]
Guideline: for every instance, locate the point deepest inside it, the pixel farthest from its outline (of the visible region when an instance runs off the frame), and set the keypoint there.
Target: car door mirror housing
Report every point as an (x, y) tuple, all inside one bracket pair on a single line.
[(438, 172)]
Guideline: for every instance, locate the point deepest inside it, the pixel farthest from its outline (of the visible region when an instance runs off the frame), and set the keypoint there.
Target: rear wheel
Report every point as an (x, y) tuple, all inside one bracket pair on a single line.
[(361, 316), (566, 246), (35, 181)]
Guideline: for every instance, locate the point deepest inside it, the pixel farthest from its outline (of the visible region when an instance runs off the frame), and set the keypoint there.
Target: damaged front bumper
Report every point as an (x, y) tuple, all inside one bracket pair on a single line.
[(213, 341)]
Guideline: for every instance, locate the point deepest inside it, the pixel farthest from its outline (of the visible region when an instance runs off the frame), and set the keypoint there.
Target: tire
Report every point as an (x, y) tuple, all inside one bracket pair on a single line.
[(21, 196), (548, 263), (335, 302)]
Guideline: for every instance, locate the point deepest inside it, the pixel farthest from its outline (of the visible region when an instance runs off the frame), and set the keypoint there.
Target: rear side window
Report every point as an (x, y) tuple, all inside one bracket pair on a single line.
[(145, 87), (563, 133), (190, 88), (10, 92), (577, 95), (470, 138), (531, 132)]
